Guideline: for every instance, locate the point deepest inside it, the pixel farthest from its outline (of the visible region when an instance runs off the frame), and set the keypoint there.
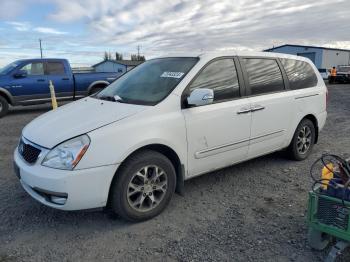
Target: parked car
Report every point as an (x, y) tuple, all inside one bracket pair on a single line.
[(132, 145), (26, 82), (343, 74), (324, 73)]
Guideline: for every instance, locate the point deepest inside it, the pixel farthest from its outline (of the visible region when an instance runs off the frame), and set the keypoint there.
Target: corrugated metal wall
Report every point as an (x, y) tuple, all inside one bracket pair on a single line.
[(314, 54), (322, 58), (334, 58)]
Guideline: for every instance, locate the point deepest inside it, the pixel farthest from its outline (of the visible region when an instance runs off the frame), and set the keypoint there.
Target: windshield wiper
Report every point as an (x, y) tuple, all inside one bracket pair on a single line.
[(107, 98), (112, 98)]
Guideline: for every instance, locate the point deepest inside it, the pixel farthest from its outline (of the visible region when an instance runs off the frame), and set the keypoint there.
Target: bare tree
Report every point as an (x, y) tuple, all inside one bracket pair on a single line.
[(118, 56), (137, 57)]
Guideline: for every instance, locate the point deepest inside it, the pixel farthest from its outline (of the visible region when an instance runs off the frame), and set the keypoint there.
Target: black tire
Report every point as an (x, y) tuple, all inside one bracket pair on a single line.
[(120, 188), (294, 150), (4, 106), (318, 240), (96, 89)]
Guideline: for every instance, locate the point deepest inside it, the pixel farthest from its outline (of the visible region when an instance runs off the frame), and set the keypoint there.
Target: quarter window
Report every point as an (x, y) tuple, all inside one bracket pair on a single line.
[(264, 75), (55, 68), (300, 74), (221, 76), (34, 68)]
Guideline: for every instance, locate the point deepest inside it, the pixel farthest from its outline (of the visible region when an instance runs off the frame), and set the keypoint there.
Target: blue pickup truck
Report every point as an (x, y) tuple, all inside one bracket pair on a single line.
[(26, 82)]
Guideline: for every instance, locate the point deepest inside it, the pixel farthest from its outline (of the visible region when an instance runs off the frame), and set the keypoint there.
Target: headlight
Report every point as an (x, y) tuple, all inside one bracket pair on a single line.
[(68, 154)]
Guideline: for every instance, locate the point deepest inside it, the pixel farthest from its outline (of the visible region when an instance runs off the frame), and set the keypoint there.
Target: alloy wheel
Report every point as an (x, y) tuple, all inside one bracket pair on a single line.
[(304, 139), (147, 188)]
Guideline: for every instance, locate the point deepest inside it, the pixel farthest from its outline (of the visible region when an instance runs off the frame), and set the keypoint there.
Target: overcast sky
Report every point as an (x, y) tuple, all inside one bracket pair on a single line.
[(81, 30)]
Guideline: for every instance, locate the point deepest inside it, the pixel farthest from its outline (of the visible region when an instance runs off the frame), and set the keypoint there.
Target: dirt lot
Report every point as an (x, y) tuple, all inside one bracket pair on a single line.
[(254, 211)]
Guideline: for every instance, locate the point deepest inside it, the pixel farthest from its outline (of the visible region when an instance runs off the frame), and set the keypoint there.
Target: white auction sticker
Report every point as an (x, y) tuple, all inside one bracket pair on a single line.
[(172, 74)]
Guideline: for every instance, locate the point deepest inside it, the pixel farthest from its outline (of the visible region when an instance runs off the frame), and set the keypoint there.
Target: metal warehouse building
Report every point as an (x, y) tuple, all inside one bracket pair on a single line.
[(117, 66), (322, 57)]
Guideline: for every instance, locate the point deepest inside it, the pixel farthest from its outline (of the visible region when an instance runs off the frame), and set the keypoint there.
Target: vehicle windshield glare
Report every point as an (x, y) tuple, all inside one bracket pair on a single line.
[(5, 70), (150, 82)]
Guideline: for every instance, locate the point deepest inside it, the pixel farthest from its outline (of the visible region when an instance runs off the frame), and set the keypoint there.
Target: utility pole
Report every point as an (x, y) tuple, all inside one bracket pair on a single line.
[(138, 51), (41, 50)]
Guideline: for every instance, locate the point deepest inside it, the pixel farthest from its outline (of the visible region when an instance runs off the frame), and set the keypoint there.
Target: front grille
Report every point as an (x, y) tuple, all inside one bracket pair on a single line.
[(28, 152), (332, 213)]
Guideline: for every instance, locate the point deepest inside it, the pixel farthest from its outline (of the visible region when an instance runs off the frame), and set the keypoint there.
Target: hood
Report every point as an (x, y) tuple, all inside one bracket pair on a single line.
[(75, 119)]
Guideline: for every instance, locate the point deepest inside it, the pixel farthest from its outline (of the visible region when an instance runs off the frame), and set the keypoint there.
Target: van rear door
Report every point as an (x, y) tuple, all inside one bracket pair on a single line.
[(61, 78)]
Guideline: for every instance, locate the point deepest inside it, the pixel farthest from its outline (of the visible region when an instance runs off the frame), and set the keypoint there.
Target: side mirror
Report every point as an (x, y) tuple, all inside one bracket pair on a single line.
[(201, 97), (20, 74)]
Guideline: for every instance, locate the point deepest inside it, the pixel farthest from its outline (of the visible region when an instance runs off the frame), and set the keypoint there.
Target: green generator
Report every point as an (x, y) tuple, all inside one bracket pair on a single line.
[(328, 221)]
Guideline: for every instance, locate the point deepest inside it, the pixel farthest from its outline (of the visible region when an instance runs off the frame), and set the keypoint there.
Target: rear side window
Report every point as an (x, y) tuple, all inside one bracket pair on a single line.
[(264, 75), (300, 74), (55, 68), (221, 76)]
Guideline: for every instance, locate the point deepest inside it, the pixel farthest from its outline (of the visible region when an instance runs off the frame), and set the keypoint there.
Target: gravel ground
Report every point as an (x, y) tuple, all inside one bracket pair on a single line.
[(254, 211)]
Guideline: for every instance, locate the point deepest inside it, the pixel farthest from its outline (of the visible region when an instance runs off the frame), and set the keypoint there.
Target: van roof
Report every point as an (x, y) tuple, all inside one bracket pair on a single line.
[(212, 55)]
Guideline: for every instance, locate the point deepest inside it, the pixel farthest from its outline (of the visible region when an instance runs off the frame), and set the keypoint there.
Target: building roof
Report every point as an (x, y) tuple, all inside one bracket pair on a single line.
[(121, 62), (307, 46)]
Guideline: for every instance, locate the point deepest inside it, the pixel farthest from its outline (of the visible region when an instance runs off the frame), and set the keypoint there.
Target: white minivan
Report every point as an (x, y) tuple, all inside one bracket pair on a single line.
[(132, 145)]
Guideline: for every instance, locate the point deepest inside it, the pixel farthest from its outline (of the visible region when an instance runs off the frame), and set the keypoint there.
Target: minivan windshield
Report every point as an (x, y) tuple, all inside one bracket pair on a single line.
[(150, 82), (5, 70)]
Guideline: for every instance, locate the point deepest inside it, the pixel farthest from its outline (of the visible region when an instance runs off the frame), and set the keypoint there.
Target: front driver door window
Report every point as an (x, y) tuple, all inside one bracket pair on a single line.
[(33, 85)]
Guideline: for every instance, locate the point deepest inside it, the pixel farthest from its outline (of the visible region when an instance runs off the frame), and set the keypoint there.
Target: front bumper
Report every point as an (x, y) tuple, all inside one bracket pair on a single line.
[(64, 189)]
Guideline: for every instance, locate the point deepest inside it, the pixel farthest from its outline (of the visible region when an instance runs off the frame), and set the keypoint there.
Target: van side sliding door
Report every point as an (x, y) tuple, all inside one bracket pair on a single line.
[(272, 106)]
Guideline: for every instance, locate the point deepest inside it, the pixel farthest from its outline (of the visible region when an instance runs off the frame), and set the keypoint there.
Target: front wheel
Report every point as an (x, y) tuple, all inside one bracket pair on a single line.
[(143, 187), (4, 106), (303, 140)]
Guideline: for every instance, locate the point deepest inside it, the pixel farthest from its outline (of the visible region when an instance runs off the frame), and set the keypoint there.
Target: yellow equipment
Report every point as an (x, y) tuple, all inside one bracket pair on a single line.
[(53, 95), (327, 175)]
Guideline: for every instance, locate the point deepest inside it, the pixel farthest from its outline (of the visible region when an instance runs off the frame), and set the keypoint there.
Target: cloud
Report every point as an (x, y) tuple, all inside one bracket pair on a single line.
[(11, 8), (26, 26), (20, 26), (48, 30), (164, 27), (183, 25)]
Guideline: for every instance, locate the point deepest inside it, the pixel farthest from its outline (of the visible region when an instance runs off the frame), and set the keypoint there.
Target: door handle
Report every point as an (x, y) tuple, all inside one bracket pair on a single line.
[(257, 108), (65, 78), (41, 80), (244, 110)]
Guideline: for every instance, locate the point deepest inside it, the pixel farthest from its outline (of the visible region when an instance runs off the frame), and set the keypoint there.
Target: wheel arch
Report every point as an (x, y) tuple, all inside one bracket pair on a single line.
[(6, 94), (170, 154), (97, 83), (313, 119)]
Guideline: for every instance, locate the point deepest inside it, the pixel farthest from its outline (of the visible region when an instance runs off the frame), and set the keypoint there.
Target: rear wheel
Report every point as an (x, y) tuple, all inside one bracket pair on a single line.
[(4, 106), (303, 140), (144, 186)]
